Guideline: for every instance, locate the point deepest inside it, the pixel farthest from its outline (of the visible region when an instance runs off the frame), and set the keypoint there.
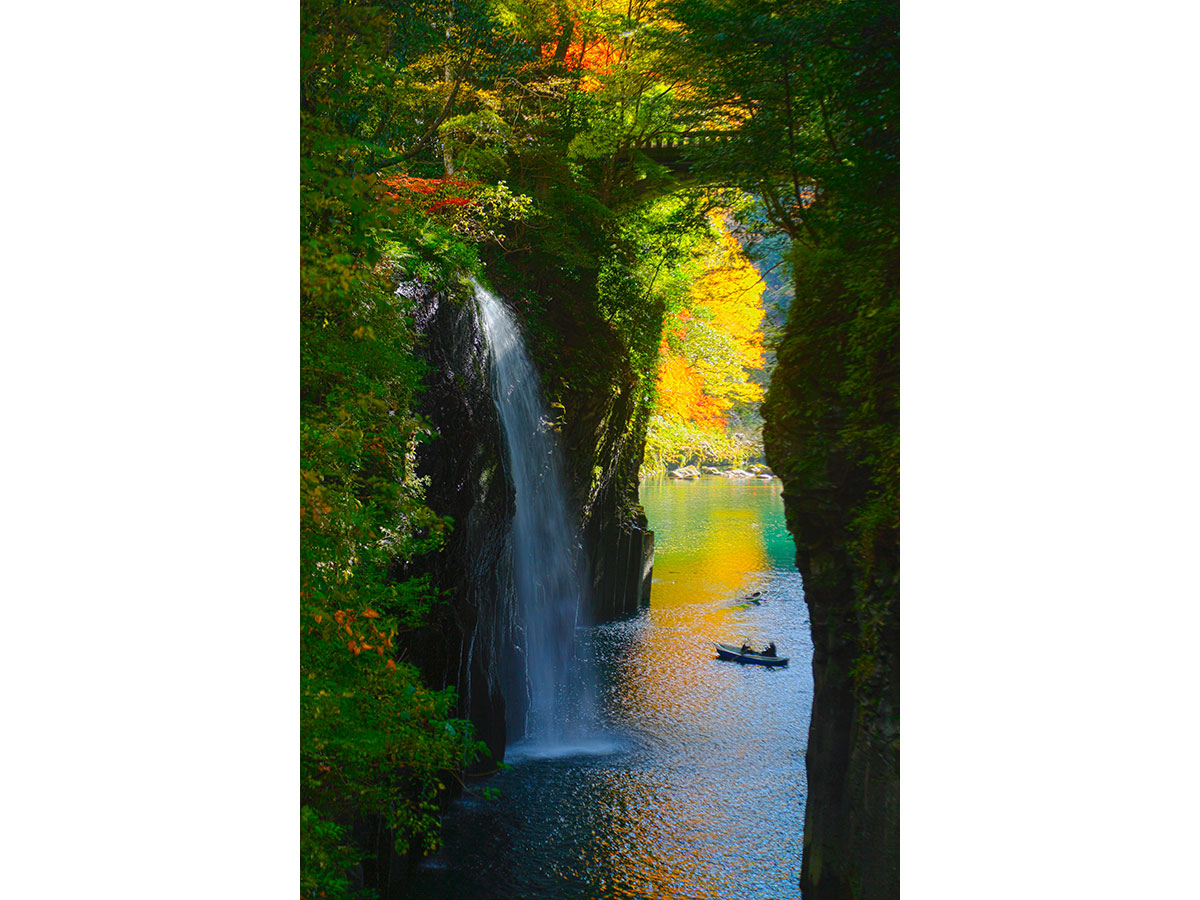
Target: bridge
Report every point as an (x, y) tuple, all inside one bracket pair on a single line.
[(672, 150)]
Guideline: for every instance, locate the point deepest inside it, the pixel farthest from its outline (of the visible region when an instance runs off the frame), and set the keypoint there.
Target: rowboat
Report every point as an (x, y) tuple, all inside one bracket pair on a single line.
[(729, 651)]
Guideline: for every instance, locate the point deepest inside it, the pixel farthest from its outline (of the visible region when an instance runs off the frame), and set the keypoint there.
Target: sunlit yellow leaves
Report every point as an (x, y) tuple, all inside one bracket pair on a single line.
[(680, 386), (710, 348), (731, 292), (704, 366)]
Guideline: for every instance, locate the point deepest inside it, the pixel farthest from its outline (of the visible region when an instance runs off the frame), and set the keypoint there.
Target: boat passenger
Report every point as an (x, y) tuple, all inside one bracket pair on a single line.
[(746, 647), (770, 651)]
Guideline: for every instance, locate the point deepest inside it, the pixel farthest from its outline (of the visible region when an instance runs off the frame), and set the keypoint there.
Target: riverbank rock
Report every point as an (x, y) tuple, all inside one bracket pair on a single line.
[(685, 472)]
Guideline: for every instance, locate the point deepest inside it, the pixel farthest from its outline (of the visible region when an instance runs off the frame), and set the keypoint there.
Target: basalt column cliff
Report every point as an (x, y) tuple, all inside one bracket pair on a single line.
[(832, 434), (473, 640)]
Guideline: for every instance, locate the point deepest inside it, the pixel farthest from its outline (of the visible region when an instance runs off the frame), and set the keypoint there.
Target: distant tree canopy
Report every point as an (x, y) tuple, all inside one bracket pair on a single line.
[(711, 344)]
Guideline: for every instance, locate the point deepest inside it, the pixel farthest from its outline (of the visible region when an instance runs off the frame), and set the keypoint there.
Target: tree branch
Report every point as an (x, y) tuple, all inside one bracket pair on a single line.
[(787, 94), (432, 129)]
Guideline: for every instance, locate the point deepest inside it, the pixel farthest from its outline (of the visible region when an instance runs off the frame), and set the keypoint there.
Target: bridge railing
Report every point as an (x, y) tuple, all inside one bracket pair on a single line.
[(685, 139)]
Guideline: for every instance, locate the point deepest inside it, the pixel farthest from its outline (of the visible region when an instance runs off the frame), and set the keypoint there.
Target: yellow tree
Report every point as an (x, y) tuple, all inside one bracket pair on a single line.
[(710, 348)]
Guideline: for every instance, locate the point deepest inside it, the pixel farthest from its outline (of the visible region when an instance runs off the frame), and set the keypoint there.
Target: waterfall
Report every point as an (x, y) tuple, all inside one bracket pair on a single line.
[(546, 563)]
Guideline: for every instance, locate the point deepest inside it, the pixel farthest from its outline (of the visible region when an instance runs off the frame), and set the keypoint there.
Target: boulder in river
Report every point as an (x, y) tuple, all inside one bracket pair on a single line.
[(685, 472)]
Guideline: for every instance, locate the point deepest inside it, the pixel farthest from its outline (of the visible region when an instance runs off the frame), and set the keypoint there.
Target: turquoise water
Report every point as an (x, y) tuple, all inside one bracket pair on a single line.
[(717, 531), (698, 788)]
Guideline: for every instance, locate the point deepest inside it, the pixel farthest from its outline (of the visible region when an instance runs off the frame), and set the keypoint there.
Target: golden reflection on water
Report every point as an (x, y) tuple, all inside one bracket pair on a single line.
[(655, 832), (715, 541)]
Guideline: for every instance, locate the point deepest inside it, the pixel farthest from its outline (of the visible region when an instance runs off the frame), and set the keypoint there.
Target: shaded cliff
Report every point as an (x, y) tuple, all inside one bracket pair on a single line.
[(832, 434), (471, 641), (598, 381)]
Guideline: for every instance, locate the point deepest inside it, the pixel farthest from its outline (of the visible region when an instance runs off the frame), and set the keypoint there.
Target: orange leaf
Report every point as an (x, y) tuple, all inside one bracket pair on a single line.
[(370, 614)]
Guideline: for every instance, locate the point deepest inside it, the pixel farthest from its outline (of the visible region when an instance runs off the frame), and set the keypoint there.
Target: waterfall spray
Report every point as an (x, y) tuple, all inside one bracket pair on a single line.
[(549, 586)]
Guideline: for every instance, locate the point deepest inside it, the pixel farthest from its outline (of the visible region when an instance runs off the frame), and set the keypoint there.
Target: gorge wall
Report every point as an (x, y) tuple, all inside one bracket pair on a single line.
[(832, 435), (471, 639), (592, 382), (467, 641)]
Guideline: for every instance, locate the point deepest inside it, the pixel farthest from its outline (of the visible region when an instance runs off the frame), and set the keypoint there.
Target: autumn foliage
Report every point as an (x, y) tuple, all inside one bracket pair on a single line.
[(709, 349), (432, 194), (596, 55)]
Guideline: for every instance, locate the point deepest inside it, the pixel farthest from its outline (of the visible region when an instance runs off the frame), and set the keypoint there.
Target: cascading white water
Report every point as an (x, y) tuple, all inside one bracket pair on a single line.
[(549, 585)]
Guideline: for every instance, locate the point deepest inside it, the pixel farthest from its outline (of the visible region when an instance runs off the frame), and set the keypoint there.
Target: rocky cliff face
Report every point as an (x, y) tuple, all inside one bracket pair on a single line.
[(852, 820), (471, 641), (605, 437), (603, 407), (832, 435)]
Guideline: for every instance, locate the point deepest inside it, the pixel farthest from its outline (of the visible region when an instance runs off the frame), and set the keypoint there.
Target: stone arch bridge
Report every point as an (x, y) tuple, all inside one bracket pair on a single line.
[(672, 150)]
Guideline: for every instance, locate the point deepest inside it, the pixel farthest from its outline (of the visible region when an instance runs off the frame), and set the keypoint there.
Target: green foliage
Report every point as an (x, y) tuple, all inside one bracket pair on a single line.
[(493, 207), (325, 858), (672, 443), (374, 739), (812, 93)]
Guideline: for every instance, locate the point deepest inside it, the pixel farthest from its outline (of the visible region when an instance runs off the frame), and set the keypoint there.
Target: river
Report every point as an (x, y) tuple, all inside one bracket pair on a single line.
[(697, 789)]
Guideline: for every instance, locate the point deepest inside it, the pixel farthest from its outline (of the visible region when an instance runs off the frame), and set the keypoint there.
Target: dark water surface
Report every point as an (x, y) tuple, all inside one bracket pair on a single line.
[(697, 788)]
